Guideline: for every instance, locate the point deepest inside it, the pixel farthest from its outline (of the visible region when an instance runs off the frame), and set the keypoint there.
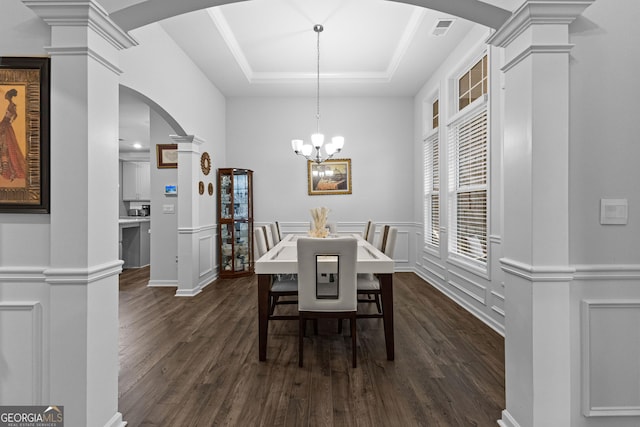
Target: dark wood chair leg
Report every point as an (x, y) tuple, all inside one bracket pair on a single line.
[(352, 323), (301, 328), (339, 326), (378, 306), (274, 302)]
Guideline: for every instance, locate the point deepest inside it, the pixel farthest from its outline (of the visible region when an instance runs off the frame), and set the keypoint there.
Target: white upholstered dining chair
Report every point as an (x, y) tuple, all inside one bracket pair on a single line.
[(368, 283), (327, 284), (259, 242), (266, 229), (275, 232), (281, 284), (369, 231)]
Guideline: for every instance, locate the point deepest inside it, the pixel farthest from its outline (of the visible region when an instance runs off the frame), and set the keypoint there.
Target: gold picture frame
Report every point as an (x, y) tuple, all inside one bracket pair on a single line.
[(167, 155), (329, 177), (24, 134)]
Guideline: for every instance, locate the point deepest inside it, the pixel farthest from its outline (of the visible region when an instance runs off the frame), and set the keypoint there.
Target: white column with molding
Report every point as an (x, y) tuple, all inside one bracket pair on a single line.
[(84, 267), (188, 214), (536, 213)]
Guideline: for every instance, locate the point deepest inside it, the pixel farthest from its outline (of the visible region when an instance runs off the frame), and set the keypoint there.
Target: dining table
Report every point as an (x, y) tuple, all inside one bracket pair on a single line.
[(282, 259)]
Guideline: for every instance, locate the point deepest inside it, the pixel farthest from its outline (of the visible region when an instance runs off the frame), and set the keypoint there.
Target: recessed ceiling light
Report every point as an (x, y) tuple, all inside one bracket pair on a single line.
[(137, 146)]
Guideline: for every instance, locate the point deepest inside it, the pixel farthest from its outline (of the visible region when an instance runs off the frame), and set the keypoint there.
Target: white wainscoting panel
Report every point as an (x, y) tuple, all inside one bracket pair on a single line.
[(206, 255), (21, 360), (207, 238), (611, 357), (469, 287)]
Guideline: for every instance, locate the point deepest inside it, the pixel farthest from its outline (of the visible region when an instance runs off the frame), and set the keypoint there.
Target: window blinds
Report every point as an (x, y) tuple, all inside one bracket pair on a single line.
[(432, 191), (467, 148)]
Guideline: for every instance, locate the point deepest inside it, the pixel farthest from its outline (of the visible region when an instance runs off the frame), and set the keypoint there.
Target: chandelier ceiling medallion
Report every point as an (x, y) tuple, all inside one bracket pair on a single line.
[(317, 139)]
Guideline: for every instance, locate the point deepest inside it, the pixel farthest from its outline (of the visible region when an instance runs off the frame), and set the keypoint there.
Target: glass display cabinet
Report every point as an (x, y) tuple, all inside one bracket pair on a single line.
[(235, 222)]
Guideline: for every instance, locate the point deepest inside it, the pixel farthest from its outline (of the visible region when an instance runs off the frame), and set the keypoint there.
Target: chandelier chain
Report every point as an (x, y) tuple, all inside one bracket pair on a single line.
[(317, 139), (319, 29)]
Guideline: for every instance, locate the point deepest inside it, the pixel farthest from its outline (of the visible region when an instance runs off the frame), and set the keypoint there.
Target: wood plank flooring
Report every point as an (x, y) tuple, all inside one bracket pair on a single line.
[(194, 362)]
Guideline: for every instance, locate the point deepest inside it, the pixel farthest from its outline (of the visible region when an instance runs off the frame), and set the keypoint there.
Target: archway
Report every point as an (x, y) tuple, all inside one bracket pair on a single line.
[(149, 11)]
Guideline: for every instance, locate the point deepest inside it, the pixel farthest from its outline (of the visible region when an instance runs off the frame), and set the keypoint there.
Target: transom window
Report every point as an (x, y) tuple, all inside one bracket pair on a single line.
[(435, 114), (473, 84)]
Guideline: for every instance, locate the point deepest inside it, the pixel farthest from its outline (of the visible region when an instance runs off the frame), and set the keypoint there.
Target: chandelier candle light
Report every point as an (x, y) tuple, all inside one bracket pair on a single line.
[(317, 139)]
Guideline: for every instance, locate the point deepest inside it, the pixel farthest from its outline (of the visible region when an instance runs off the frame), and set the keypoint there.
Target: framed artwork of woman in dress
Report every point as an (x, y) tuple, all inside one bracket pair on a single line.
[(24, 134)]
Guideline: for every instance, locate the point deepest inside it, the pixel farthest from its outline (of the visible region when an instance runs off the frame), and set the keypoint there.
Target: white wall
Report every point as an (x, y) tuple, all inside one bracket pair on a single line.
[(378, 140), (164, 226), (604, 150), (23, 238), (604, 132), (158, 69)]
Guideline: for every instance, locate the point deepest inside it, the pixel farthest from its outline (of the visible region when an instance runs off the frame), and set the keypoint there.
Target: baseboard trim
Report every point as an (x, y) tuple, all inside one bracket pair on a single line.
[(507, 420), (188, 292), (116, 421), (162, 284)]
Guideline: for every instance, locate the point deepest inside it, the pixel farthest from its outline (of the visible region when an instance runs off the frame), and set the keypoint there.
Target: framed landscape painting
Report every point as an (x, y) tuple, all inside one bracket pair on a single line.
[(24, 135), (167, 155), (329, 177)]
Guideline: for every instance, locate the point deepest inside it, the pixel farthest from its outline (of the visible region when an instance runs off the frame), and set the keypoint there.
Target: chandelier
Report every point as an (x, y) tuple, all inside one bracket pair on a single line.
[(317, 139)]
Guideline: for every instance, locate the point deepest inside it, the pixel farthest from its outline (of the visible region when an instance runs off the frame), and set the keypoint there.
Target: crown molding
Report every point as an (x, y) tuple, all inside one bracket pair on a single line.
[(538, 12), (81, 13), (186, 139)]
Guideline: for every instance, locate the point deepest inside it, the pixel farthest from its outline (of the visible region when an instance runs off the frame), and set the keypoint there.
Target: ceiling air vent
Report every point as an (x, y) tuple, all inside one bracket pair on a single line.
[(442, 26)]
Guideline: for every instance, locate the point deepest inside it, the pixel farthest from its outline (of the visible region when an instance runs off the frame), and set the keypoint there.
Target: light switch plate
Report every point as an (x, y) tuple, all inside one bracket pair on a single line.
[(168, 209), (613, 211)]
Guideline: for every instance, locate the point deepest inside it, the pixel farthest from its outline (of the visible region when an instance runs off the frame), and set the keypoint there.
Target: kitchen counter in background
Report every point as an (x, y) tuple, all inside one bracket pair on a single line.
[(135, 241), (124, 220)]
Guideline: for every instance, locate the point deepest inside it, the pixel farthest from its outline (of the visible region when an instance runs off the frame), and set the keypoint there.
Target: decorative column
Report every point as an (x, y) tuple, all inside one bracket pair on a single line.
[(188, 215), (84, 266), (536, 212)]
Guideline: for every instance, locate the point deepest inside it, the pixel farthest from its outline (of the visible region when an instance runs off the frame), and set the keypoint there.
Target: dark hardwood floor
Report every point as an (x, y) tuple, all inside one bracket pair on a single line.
[(194, 362)]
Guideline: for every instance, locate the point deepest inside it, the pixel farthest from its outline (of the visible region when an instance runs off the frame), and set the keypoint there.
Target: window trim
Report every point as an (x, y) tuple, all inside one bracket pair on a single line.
[(467, 263)]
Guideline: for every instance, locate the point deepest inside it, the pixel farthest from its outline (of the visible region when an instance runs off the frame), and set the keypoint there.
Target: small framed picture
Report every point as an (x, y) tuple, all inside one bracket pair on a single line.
[(167, 155), (329, 177)]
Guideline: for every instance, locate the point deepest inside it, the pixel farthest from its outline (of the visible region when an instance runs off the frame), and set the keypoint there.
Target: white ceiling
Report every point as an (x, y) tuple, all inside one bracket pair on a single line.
[(268, 48)]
